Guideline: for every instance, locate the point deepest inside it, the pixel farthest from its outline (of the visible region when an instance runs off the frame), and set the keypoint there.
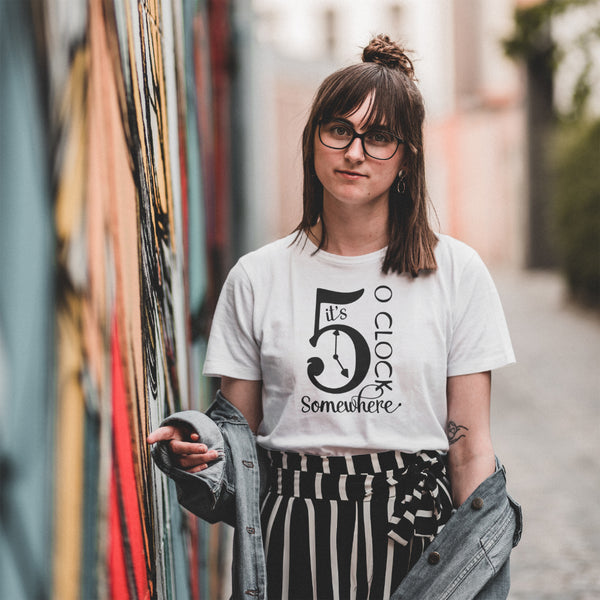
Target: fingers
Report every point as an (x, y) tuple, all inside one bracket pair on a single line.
[(191, 461), (168, 432), (192, 456), (197, 469), (189, 455), (178, 447), (195, 460)]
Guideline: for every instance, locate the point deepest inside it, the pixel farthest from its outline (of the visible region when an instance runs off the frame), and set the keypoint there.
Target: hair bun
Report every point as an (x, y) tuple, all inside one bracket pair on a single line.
[(383, 51)]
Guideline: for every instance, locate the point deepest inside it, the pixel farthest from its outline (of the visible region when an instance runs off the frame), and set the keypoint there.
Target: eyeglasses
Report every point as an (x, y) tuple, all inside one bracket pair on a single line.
[(376, 143)]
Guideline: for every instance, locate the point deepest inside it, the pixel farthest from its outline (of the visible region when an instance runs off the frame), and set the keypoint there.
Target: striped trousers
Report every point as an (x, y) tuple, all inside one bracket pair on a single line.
[(350, 527)]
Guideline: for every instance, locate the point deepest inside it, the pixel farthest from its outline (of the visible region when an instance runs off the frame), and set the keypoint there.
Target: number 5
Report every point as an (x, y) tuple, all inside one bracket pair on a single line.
[(361, 348)]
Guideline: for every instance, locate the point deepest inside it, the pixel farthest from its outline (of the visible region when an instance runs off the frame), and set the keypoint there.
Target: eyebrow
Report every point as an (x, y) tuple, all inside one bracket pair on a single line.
[(372, 128)]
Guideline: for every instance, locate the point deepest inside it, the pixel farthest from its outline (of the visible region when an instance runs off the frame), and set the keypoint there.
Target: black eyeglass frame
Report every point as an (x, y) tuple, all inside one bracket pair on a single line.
[(361, 137)]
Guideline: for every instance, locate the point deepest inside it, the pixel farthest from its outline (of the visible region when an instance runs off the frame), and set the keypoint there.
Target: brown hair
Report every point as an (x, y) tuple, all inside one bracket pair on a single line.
[(388, 74)]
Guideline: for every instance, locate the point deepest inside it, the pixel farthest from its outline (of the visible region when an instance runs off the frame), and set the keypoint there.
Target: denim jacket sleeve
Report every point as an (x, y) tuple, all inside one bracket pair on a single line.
[(209, 494), (468, 560)]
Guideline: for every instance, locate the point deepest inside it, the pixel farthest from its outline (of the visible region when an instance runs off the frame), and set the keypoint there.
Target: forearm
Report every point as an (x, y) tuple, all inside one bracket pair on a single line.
[(471, 455), (467, 472)]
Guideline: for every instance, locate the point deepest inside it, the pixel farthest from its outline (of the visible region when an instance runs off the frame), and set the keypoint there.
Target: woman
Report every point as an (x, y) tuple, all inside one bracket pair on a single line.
[(358, 350)]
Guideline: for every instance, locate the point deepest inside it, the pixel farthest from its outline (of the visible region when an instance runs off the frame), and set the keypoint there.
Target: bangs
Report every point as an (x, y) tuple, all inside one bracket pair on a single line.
[(348, 92)]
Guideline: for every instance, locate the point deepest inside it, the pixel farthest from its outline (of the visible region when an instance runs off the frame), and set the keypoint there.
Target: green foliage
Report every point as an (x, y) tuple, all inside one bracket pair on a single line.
[(582, 90), (531, 27), (532, 22), (577, 208), (532, 39), (576, 197)]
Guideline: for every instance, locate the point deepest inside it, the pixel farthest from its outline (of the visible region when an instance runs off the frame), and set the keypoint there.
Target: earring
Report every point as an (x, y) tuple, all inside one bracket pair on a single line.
[(401, 183)]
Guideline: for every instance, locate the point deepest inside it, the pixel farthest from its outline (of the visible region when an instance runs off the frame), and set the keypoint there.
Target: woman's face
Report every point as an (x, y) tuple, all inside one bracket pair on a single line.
[(350, 176)]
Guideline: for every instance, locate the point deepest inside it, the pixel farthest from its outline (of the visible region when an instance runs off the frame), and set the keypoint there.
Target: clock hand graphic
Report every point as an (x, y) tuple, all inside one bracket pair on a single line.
[(336, 357)]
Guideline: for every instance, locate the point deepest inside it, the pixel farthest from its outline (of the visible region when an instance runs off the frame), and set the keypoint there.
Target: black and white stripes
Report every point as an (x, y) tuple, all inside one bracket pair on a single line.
[(350, 527)]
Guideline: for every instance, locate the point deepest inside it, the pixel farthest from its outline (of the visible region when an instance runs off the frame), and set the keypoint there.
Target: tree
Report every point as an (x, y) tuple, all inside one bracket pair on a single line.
[(564, 143)]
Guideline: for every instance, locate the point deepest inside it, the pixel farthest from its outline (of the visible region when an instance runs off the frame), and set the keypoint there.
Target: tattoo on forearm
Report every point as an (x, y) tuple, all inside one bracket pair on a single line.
[(455, 432)]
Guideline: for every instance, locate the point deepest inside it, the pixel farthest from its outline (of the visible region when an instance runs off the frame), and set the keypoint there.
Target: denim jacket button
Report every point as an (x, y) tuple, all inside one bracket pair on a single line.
[(250, 530), (248, 464), (477, 503), (433, 558), (251, 593)]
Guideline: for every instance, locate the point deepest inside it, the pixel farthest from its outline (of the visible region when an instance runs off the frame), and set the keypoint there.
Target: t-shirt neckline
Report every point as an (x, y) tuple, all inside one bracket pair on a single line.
[(324, 256)]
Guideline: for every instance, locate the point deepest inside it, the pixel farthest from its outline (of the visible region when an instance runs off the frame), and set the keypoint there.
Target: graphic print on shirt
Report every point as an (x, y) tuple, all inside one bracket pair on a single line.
[(342, 356)]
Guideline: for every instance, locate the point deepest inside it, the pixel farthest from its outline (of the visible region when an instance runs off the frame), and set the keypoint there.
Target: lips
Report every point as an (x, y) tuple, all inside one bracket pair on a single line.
[(350, 174)]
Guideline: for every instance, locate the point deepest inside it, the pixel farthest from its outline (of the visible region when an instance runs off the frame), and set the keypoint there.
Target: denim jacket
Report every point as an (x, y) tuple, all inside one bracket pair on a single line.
[(467, 560)]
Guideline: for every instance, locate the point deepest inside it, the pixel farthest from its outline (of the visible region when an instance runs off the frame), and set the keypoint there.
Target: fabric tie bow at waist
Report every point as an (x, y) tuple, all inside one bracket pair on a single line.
[(423, 502), (417, 483)]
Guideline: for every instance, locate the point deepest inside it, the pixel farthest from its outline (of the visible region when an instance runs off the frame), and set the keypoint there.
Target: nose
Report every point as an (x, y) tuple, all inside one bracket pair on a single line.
[(355, 151)]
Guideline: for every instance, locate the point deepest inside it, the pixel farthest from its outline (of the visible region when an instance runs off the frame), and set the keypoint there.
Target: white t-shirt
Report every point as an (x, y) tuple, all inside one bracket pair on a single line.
[(352, 360)]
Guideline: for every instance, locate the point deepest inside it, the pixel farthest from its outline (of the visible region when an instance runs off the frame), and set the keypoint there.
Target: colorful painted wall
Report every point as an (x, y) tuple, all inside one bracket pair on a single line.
[(114, 171)]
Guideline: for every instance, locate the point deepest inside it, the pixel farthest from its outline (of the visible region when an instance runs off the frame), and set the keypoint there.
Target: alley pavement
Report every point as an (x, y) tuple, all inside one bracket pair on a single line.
[(546, 430)]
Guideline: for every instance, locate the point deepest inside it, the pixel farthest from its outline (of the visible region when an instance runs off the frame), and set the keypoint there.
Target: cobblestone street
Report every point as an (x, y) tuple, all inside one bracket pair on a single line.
[(546, 430)]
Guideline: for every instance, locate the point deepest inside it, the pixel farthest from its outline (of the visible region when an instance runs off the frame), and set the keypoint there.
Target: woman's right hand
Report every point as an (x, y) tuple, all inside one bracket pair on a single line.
[(187, 451)]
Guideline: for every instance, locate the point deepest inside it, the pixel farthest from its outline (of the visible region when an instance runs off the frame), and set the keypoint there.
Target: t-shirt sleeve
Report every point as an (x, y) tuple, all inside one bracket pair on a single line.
[(480, 339), (233, 350)]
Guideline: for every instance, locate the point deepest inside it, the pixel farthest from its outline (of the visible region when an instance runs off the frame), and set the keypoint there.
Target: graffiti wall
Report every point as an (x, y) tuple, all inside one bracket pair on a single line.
[(123, 237)]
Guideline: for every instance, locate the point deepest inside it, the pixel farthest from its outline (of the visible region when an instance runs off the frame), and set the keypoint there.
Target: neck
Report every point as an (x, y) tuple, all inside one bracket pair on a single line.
[(354, 231)]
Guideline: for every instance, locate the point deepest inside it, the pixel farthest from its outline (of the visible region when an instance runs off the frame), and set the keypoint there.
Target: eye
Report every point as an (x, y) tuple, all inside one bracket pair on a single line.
[(339, 129), (380, 137)]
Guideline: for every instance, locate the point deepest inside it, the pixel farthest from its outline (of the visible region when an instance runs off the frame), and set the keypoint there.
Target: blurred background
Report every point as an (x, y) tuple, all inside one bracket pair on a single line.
[(145, 145)]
